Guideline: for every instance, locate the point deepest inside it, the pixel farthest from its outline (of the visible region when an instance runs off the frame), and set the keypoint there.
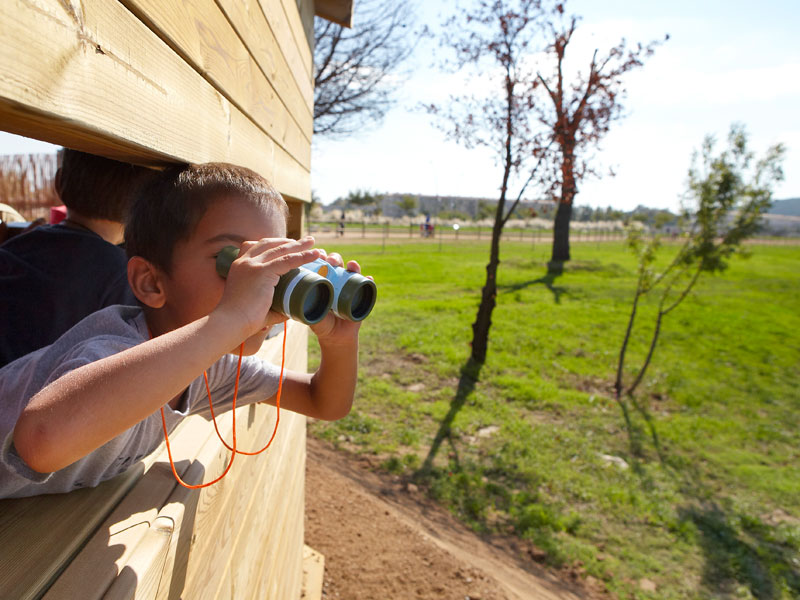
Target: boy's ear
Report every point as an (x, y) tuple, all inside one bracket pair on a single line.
[(146, 281)]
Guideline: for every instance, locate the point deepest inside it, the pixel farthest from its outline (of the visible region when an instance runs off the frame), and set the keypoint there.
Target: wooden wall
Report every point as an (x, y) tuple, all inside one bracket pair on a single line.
[(152, 82), (142, 535)]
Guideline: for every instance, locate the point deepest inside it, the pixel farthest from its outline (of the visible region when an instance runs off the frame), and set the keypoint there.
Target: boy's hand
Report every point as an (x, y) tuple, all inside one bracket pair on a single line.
[(333, 329), (254, 274)]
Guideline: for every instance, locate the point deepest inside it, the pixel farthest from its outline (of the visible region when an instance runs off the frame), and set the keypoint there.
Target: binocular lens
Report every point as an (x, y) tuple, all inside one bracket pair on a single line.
[(363, 300), (316, 303)]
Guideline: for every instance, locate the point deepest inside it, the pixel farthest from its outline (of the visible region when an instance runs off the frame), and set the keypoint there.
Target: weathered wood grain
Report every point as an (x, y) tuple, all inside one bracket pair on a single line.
[(270, 43), (96, 78), (106, 552), (201, 34)]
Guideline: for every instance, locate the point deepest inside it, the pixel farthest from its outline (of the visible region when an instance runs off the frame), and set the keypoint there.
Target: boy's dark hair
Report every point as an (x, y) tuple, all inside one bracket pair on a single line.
[(98, 187), (168, 209)]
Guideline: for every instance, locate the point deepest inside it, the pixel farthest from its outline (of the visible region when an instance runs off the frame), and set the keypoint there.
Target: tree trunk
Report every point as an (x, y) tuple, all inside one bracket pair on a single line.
[(561, 235), (483, 320), (560, 253)]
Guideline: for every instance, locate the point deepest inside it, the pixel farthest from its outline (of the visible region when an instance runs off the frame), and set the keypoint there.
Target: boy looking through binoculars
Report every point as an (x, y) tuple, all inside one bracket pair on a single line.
[(87, 407)]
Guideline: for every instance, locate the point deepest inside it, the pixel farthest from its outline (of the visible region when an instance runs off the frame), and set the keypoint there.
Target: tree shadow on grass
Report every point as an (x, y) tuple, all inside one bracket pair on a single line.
[(547, 281), (470, 372), (740, 550), (743, 550)]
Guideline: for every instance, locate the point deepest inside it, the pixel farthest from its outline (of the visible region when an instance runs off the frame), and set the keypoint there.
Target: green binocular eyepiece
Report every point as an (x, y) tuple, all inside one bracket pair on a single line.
[(307, 293)]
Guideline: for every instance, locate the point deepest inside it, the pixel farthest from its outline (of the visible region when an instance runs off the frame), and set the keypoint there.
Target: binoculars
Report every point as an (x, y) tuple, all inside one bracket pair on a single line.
[(307, 293)]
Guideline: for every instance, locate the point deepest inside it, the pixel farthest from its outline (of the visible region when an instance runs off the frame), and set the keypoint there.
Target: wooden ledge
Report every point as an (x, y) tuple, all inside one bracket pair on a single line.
[(140, 534)]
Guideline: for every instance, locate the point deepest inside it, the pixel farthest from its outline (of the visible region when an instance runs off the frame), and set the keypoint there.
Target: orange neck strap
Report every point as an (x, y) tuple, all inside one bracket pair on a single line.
[(232, 448)]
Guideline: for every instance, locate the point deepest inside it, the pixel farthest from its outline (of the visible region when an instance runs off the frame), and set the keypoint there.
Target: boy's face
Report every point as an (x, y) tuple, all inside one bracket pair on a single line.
[(193, 288)]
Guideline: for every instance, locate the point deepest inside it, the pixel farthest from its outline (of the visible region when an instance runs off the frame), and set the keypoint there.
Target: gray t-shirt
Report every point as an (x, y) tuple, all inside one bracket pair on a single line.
[(99, 335)]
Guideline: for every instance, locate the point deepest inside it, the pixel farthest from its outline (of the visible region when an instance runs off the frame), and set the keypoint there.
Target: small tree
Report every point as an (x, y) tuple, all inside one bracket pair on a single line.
[(728, 194), (494, 38), (363, 199), (579, 113), (408, 204), (485, 210)]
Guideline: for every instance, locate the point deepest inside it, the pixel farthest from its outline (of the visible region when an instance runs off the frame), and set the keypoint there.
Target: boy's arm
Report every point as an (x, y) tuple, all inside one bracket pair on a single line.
[(91, 405), (328, 393)]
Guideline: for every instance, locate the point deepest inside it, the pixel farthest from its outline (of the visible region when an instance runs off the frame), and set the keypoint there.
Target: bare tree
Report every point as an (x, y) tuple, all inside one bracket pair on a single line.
[(26, 183), (580, 112), (494, 38), (357, 71)]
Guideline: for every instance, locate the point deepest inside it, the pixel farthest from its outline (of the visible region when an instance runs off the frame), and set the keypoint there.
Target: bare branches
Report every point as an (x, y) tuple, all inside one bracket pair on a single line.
[(357, 71), (26, 183)]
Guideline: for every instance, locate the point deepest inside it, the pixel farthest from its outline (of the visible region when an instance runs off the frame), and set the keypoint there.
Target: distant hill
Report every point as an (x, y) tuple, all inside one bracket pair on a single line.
[(790, 207)]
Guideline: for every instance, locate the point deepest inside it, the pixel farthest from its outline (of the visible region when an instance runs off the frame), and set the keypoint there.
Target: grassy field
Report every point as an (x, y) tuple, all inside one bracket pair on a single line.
[(539, 449)]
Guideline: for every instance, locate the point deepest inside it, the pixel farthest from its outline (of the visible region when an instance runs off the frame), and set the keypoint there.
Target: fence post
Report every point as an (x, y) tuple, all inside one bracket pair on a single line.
[(363, 228), (410, 225)]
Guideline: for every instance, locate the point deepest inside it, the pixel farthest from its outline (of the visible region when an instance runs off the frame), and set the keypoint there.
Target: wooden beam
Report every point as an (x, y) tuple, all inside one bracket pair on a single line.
[(95, 78), (278, 18), (338, 11), (201, 34)]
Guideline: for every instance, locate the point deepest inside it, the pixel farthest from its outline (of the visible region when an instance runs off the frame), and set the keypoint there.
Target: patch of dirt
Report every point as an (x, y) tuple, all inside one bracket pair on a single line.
[(382, 538)]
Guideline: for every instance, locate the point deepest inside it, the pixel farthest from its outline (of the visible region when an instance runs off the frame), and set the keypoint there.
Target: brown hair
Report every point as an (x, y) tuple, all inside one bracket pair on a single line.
[(168, 209), (98, 187)]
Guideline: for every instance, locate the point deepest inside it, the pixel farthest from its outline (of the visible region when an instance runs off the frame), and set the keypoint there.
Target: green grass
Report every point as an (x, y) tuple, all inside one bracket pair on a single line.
[(716, 516)]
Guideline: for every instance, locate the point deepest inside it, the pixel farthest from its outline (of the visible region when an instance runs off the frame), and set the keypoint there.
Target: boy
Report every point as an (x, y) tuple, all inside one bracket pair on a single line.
[(54, 276), (87, 407)]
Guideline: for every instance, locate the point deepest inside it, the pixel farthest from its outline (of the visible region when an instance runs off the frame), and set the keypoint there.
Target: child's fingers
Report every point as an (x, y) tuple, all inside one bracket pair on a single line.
[(353, 266), (266, 247), (254, 248), (335, 259), (282, 263)]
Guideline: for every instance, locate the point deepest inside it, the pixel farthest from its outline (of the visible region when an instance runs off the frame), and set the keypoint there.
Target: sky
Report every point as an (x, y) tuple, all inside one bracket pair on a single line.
[(725, 62)]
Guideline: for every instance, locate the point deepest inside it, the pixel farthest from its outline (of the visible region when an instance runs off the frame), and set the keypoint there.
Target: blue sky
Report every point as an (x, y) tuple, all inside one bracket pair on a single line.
[(725, 62)]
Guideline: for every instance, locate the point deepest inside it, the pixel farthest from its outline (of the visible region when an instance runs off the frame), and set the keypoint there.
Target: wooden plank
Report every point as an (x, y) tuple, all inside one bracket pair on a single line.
[(237, 524), (200, 33), (291, 528), (141, 576), (203, 566), (230, 522), (298, 34), (313, 574), (250, 148), (305, 9), (105, 554), (270, 44), (338, 11), (85, 94), (275, 495), (272, 11), (297, 217), (171, 578), (30, 560)]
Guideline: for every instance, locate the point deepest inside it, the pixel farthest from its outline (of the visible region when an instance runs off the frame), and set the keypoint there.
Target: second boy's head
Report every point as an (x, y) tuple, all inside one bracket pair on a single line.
[(98, 187), (177, 226)]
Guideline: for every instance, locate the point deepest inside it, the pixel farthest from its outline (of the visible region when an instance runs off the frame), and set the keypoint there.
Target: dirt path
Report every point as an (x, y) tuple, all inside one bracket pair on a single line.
[(384, 540)]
